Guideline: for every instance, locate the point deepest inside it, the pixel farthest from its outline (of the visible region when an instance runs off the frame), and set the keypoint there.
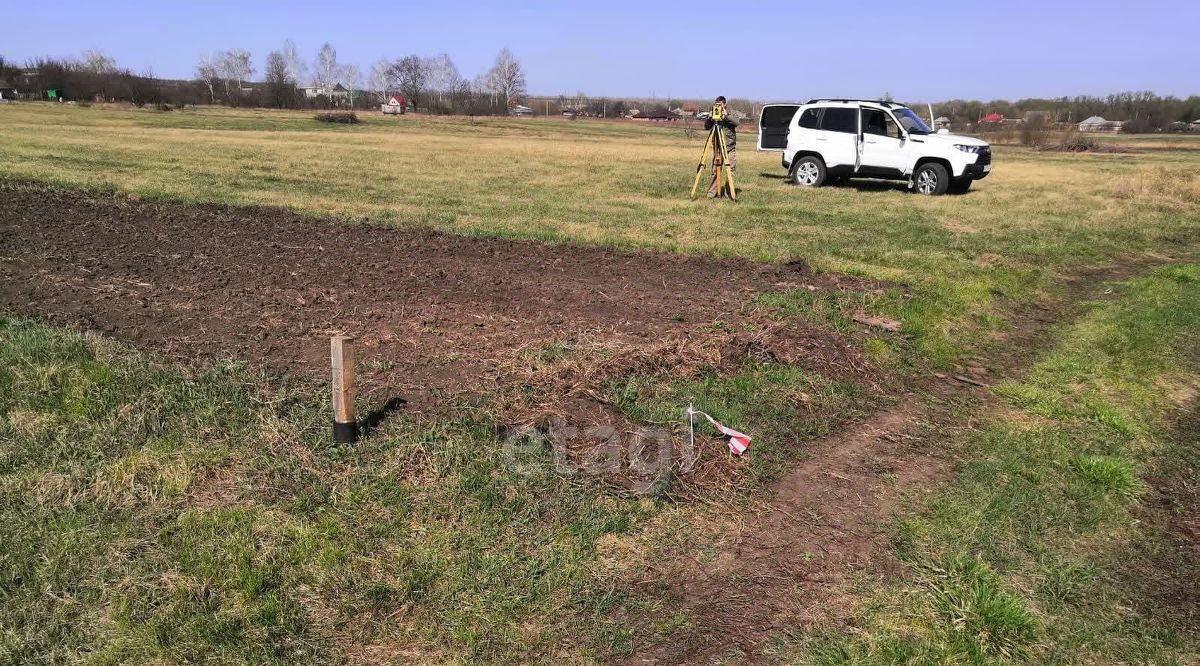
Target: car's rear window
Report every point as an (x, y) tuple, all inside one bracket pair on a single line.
[(837, 119), (808, 119), (777, 116)]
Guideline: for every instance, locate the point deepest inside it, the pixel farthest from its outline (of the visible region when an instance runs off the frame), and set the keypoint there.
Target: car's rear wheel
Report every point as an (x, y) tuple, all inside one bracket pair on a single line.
[(809, 172), (931, 179), (960, 185)]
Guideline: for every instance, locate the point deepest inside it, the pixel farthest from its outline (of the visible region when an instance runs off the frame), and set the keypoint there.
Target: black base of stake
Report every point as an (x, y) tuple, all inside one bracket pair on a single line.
[(345, 433)]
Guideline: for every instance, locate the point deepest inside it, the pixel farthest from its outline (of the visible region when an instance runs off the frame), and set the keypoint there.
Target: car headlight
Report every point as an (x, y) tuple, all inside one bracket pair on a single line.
[(968, 149)]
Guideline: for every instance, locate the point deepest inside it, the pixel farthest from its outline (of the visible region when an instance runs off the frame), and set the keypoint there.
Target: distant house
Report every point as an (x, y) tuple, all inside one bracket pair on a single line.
[(1194, 125), (941, 122), (338, 91), (520, 110), (1098, 124), (690, 110), (659, 115), (7, 91), (395, 104), (994, 118)]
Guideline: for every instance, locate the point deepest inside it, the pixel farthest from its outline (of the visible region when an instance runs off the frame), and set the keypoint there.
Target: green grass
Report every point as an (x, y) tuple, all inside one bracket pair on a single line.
[(793, 405), (153, 515), (156, 514), (1019, 557), (1038, 217)]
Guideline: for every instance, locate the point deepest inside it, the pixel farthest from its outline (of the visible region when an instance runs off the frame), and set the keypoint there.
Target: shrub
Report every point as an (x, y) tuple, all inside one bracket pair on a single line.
[(337, 117), (1074, 142), (1036, 132)]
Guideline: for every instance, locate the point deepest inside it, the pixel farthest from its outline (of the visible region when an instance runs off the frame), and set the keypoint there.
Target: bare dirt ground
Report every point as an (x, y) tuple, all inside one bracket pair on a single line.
[(438, 317)]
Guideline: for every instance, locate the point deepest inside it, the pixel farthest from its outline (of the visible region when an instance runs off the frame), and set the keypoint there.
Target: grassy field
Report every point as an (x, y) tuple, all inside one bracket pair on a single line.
[(157, 514), (1038, 217)]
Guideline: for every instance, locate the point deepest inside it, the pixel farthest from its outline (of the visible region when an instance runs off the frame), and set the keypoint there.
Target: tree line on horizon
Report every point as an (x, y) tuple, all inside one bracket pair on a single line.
[(1142, 111), (434, 84)]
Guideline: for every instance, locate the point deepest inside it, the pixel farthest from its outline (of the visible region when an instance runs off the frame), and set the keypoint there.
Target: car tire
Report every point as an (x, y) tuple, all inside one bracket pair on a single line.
[(808, 171), (931, 179), (960, 185)]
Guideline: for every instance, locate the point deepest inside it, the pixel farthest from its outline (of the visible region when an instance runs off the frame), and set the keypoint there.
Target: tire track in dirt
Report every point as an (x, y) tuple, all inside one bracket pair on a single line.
[(824, 523), (828, 516)]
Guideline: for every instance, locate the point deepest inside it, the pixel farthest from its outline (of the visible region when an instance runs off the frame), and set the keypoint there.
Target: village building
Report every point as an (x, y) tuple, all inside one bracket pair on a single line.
[(395, 105), (1099, 124)]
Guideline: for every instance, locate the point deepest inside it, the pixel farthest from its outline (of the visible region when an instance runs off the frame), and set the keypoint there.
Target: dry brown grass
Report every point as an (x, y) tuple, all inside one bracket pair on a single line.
[(1162, 185)]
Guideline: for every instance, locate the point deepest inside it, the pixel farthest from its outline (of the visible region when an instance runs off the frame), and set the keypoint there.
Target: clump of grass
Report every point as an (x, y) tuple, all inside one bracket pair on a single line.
[(1111, 475), (980, 618), (347, 117)]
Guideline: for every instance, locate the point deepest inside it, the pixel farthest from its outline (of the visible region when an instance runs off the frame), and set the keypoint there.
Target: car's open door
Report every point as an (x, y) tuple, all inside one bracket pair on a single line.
[(858, 143), (773, 124)]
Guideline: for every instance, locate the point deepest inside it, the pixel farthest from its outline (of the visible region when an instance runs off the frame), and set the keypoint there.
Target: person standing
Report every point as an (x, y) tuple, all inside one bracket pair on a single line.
[(728, 130)]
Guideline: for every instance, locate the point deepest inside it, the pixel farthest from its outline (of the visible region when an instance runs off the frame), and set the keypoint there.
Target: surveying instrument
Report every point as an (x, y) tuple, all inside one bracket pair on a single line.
[(716, 150)]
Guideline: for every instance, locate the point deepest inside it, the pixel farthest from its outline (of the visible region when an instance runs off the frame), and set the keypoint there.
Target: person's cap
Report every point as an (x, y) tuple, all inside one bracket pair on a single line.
[(720, 98)]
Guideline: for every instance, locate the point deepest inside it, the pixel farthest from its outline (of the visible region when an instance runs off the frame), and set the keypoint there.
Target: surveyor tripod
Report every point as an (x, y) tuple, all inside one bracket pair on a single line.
[(715, 146)]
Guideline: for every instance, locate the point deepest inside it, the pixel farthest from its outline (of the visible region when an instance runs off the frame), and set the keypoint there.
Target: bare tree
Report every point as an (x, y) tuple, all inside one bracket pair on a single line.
[(97, 62), (506, 78), (380, 78), (410, 77), (352, 77), (234, 67), (326, 69), (281, 89), (442, 75), (208, 74), (297, 69)]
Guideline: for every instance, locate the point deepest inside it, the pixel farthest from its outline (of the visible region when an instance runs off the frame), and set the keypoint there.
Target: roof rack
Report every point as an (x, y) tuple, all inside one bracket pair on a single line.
[(889, 105)]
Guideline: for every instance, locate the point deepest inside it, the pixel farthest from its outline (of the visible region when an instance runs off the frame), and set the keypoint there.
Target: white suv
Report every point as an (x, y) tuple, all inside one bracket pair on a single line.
[(831, 140)]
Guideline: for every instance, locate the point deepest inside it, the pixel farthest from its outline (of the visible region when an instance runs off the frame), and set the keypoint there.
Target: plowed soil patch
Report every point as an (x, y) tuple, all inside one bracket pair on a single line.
[(437, 316)]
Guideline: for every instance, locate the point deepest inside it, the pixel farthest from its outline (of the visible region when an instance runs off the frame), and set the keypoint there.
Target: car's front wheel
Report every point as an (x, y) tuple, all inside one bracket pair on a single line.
[(809, 172), (931, 178)]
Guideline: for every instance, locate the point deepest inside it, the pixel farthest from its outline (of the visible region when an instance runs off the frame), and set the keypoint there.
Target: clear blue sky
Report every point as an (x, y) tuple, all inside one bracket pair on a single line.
[(752, 48)]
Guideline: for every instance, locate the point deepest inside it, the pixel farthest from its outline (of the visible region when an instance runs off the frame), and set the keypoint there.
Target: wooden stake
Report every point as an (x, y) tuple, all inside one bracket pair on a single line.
[(345, 423)]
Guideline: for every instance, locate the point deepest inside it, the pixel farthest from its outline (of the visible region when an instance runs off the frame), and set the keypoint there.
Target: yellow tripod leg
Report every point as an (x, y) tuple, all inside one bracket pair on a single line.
[(700, 167), (729, 170)]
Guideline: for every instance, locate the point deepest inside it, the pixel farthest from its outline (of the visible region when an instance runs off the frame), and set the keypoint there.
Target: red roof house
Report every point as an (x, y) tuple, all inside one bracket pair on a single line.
[(992, 118), (395, 104)]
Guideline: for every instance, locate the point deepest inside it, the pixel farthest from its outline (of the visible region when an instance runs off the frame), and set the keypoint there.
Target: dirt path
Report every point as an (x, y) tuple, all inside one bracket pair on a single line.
[(438, 316), (784, 570), (788, 569)]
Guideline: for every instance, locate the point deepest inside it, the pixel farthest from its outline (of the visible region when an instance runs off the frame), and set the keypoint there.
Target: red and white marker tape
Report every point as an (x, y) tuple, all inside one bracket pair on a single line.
[(738, 441)]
